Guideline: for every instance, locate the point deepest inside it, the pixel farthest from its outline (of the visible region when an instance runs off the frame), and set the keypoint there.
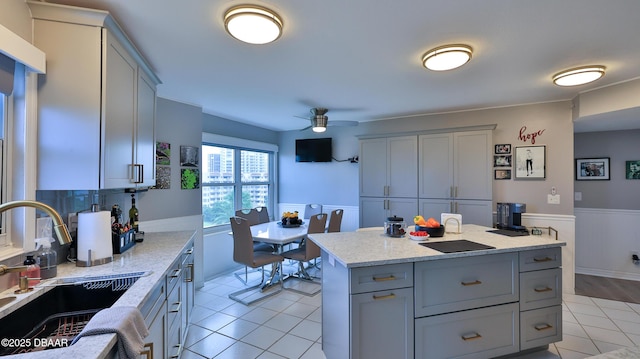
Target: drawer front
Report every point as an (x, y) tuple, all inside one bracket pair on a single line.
[(540, 327), (540, 289), (540, 259), (479, 333), (450, 285), (174, 307), (369, 279), (174, 347), (382, 324)]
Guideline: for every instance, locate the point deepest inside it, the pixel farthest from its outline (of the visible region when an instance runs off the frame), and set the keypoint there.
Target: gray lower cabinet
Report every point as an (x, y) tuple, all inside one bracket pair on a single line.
[(540, 297), (479, 333)]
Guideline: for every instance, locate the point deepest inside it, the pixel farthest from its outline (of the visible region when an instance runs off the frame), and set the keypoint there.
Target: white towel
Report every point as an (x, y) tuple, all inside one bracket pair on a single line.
[(126, 322)]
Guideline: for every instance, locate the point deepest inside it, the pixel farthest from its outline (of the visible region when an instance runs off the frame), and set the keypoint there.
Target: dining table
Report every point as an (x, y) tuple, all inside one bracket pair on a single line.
[(275, 233)]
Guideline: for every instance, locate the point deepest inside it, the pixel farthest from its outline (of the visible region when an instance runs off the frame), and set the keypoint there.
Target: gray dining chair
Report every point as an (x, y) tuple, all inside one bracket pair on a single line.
[(253, 217), (263, 214), (244, 253), (335, 220), (306, 252), (250, 215), (312, 209)]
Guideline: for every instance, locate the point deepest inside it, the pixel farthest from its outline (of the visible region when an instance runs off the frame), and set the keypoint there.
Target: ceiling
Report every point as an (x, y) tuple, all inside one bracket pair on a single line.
[(361, 58)]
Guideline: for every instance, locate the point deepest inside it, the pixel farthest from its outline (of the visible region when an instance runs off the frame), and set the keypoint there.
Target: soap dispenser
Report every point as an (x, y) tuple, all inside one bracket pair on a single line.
[(47, 258), (32, 272)]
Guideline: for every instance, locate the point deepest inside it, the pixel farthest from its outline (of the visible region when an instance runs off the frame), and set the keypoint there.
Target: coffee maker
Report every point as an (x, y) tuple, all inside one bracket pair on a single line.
[(509, 216)]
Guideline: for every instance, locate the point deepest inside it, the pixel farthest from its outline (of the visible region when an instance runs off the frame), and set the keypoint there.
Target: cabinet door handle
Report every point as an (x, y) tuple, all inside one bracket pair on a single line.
[(473, 336), (177, 308), (176, 273), (456, 210), (476, 282), (542, 290), (385, 190), (451, 191), (540, 260), (541, 327), (138, 171), (177, 354), (384, 279), (190, 279), (148, 351), (381, 297), (455, 191), (451, 207)]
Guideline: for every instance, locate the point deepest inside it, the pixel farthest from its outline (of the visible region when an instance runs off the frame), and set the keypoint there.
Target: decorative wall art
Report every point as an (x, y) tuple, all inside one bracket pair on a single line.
[(189, 178), (189, 156), (592, 169), (502, 149), (632, 170), (502, 174), (502, 161), (163, 153), (163, 177), (530, 162)]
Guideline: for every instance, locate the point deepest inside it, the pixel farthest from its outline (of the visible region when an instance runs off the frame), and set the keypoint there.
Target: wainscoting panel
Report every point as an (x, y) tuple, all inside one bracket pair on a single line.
[(605, 240)]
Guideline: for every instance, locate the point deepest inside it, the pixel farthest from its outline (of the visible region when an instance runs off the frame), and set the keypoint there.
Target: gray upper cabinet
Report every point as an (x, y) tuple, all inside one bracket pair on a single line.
[(96, 104), (388, 167)]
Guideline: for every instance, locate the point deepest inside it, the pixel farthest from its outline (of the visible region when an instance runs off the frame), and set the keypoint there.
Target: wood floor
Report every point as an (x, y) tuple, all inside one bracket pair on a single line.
[(608, 288)]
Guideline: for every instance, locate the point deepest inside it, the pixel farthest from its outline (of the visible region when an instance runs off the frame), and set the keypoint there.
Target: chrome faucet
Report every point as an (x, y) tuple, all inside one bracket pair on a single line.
[(58, 225)]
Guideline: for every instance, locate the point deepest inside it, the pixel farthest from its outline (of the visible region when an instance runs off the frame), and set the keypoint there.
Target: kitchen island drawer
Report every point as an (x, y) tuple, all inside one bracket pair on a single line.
[(540, 289), (443, 286), (369, 279), (540, 259), (540, 327), (479, 333)]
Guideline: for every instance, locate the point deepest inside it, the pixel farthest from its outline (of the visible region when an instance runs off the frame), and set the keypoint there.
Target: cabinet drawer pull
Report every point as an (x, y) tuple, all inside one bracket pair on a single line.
[(541, 290), (190, 279), (476, 282), (473, 336), (147, 351), (541, 327), (540, 260), (176, 273), (388, 296), (177, 354), (177, 308), (189, 251), (384, 279)]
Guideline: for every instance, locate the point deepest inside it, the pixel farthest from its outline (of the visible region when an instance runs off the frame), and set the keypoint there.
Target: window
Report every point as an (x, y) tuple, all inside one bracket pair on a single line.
[(3, 239), (235, 176)]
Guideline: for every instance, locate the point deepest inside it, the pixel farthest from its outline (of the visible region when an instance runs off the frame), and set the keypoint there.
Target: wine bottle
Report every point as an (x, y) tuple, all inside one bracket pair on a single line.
[(133, 214)]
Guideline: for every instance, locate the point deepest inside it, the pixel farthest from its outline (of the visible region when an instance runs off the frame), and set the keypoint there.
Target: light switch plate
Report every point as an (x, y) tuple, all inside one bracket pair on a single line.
[(553, 199)]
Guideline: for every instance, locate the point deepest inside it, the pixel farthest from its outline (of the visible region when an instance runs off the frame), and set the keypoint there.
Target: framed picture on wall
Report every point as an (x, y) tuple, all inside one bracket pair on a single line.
[(502, 174), (530, 162), (592, 169), (502, 149), (632, 170), (502, 161)]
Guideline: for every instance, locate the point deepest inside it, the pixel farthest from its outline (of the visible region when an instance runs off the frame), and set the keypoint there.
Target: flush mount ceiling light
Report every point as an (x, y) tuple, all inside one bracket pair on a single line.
[(319, 123), (253, 24), (446, 57), (579, 75)]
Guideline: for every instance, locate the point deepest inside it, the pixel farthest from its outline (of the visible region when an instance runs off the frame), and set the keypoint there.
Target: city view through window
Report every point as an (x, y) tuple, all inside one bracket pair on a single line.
[(233, 179)]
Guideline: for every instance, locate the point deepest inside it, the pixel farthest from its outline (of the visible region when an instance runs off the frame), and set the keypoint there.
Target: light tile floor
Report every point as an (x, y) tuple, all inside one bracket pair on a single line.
[(288, 325)]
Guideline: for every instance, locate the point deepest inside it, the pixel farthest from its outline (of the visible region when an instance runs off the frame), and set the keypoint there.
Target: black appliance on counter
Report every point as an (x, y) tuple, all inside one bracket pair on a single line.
[(509, 216)]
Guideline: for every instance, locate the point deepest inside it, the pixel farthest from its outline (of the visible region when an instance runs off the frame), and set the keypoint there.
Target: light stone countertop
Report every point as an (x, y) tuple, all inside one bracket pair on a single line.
[(372, 248), (154, 255)]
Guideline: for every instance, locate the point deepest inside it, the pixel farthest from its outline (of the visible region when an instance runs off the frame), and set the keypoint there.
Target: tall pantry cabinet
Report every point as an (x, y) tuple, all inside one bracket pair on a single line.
[(427, 174), (96, 103), (388, 179)]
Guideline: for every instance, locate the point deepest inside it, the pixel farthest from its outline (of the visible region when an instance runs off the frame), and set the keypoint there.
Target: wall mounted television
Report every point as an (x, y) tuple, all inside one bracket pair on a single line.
[(313, 150)]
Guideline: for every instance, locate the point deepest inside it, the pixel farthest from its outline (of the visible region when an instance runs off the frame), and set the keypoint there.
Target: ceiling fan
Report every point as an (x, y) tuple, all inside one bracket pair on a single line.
[(319, 120)]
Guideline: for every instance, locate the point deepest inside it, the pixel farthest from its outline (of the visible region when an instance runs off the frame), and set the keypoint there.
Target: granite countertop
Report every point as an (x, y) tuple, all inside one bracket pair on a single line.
[(154, 256), (370, 248)]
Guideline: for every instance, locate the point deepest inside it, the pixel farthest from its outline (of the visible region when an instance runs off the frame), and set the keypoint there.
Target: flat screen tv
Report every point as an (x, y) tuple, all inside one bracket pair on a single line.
[(313, 150)]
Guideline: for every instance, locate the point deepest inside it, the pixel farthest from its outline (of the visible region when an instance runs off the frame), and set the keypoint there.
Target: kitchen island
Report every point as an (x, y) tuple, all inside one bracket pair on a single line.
[(161, 258), (393, 297)]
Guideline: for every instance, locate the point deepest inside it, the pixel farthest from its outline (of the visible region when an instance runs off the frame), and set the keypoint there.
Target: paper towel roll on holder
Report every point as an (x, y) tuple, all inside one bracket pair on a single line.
[(94, 239)]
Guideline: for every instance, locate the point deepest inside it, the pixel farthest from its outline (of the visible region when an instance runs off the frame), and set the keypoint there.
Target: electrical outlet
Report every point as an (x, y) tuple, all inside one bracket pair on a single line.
[(72, 222), (635, 257), (553, 199)]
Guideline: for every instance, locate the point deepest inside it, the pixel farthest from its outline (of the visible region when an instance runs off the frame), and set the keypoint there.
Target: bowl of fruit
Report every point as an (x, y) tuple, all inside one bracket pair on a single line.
[(290, 220), (431, 226), (419, 235)]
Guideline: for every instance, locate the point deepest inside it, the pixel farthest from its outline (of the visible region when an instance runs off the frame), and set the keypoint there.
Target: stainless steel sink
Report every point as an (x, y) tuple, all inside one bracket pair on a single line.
[(6, 300)]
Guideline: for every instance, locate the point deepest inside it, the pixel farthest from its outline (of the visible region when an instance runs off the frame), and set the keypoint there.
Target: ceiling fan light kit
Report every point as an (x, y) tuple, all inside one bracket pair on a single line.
[(579, 75), (447, 57), (253, 24)]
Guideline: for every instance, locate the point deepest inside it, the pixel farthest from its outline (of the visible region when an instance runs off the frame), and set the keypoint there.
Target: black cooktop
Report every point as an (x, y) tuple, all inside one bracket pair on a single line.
[(461, 245)]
